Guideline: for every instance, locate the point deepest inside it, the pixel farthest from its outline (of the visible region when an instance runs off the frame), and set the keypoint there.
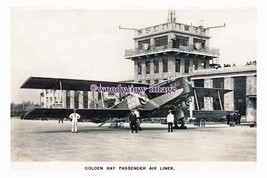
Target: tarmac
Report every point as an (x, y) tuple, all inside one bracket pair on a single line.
[(50, 141)]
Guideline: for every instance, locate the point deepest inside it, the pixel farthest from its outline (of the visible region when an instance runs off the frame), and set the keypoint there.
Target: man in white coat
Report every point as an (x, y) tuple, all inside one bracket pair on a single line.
[(170, 121), (74, 120)]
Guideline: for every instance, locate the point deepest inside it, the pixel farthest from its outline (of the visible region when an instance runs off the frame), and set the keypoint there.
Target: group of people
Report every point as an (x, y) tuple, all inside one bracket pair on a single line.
[(236, 117), (135, 121)]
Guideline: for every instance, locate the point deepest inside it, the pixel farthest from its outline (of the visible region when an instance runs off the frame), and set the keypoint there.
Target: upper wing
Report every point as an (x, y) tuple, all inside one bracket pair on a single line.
[(95, 115), (71, 84)]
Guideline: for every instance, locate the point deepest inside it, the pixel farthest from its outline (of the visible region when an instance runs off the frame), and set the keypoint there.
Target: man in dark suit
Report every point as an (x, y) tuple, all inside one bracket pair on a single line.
[(133, 121), (228, 117)]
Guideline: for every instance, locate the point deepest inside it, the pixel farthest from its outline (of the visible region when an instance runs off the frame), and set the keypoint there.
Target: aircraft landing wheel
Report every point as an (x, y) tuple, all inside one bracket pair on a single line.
[(180, 124), (121, 125)]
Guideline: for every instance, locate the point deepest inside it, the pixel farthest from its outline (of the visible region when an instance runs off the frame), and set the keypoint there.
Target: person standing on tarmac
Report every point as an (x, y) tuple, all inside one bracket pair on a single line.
[(74, 121), (133, 121), (228, 118), (170, 121), (138, 119), (238, 118), (60, 120)]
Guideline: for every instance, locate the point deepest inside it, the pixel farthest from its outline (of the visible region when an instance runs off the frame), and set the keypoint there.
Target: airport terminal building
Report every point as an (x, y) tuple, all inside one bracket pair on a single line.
[(171, 50)]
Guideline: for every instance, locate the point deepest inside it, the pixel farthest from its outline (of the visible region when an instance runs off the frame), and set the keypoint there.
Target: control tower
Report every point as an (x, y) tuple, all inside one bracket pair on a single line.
[(170, 50)]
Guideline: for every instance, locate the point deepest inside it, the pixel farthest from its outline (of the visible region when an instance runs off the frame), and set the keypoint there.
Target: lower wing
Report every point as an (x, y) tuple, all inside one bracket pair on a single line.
[(94, 115)]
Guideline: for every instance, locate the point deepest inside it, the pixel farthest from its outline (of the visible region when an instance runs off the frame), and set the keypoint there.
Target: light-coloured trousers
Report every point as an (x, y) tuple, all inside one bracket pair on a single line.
[(74, 126)]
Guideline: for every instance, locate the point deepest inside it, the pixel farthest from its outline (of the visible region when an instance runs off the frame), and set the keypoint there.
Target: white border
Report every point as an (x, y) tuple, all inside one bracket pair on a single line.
[(210, 169)]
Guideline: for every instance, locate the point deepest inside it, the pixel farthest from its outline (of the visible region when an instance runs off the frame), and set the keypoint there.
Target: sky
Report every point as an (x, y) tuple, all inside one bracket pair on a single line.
[(88, 44)]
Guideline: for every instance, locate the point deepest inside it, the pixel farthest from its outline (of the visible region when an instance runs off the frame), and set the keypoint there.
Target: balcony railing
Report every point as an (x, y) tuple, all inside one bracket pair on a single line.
[(190, 49), (169, 27)]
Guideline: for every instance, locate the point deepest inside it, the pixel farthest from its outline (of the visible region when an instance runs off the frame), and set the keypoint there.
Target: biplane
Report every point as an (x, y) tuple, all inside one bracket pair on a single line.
[(146, 103)]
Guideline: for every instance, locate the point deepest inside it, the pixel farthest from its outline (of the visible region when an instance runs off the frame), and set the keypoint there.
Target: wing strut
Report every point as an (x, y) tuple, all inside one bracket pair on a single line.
[(191, 108), (60, 85), (195, 93), (220, 100), (102, 97)]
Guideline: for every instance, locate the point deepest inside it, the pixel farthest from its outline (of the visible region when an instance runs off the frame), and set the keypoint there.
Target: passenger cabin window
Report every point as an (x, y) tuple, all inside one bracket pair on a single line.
[(161, 41)]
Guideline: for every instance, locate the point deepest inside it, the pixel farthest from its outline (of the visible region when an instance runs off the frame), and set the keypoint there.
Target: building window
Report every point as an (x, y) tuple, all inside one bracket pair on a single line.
[(142, 42), (165, 65), (218, 83), (156, 81), (204, 65), (195, 64), (156, 66), (182, 41), (240, 94), (199, 41), (85, 99), (147, 67), (148, 81), (67, 98), (200, 102), (186, 28), (139, 66), (177, 65), (186, 66), (199, 83), (161, 41), (76, 99)]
